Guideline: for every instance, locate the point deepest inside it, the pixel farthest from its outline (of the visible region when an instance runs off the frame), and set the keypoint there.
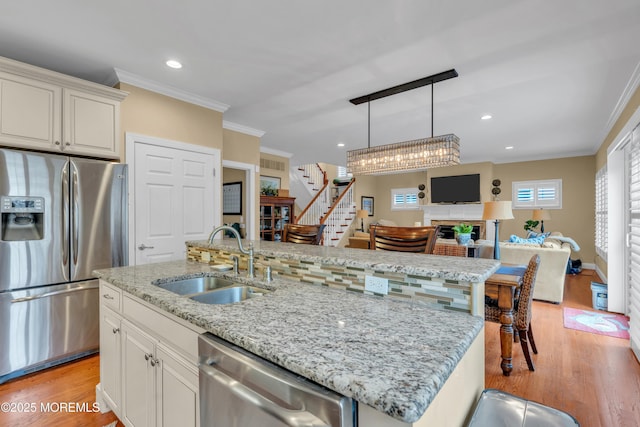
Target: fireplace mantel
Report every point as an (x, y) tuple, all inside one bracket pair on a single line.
[(455, 214)]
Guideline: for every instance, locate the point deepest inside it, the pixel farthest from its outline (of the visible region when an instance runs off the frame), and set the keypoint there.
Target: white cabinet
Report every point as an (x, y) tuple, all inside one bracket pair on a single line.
[(138, 376), (177, 390), (44, 110), (30, 113), (110, 345), (148, 363), (91, 124)]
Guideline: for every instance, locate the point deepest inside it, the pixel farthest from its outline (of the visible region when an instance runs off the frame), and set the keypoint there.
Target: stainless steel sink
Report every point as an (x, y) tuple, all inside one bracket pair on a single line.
[(229, 295), (196, 285)]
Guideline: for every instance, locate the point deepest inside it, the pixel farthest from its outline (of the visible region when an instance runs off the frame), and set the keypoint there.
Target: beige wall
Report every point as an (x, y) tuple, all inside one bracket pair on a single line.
[(575, 219), (243, 148), (627, 112), (601, 155), (235, 175), (282, 174), (380, 188), (149, 113)]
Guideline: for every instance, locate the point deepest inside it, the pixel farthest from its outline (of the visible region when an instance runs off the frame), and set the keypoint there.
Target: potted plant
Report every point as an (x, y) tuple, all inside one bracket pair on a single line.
[(531, 225), (463, 233)]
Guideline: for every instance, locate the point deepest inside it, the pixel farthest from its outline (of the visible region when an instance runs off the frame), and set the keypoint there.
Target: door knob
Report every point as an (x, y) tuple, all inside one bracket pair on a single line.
[(142, 247)]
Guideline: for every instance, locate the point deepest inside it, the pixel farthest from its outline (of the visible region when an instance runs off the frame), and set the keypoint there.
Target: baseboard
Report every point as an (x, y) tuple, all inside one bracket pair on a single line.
[(601, 274)]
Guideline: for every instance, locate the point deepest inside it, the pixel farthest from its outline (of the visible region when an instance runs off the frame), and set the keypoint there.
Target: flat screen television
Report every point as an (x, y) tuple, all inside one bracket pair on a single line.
[(455, 189)]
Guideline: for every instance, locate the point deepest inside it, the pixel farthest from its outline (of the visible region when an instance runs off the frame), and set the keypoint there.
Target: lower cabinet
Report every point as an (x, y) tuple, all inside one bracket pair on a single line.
[(145, 379), (110, 351)]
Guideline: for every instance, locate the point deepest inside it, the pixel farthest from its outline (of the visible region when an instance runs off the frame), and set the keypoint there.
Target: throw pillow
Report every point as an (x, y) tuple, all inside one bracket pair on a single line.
[(516, 239), (533, 234)]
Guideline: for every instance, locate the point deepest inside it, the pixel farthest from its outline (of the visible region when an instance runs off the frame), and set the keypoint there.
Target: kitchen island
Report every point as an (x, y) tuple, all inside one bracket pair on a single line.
[(391, 354)]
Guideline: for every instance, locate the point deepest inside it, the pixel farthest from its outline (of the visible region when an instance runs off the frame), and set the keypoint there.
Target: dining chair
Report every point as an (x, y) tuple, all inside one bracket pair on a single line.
[(522, 310), (303, 234), (403, 239)]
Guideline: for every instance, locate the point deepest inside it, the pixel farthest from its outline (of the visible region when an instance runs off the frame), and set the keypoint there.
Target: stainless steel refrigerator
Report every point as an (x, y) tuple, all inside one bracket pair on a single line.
[(62, 218)]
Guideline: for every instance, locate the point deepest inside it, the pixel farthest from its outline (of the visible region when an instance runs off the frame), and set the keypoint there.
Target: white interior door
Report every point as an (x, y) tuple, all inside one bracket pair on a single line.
[(175, 197)]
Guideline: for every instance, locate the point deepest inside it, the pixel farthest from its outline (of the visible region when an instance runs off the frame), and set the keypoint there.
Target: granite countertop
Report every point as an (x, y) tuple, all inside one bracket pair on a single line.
[(445, 267), (391, 355)]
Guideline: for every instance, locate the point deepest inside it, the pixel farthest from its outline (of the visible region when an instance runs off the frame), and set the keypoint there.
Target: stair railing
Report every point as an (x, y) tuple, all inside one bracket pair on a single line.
[(340, 216), (321, 202)]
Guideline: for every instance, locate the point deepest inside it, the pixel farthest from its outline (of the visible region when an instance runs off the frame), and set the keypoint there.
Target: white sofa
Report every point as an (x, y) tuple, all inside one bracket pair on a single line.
[(554, 256)]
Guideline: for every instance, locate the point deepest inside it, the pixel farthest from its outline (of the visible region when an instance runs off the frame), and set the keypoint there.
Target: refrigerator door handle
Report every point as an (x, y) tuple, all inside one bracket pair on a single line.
[(75, 214), (65, 221), (50, 294)]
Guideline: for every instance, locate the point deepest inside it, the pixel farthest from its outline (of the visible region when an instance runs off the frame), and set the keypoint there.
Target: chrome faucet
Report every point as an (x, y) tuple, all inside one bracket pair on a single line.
[(250, 269)]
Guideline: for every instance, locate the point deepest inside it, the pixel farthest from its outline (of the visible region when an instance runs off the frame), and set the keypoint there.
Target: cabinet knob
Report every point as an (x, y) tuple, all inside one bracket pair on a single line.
[(154, 362), (116, 330), (57, 142), (148, 356), (67, 144)]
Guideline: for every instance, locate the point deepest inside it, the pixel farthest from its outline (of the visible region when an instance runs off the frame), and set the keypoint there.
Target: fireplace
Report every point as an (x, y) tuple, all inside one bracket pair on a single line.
[(446, 232)]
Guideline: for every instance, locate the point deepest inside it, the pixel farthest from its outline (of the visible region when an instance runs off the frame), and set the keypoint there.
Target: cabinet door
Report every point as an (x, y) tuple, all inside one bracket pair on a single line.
[(110, 356), (138, 377), (177, 390), (91, 125), (30, 113)]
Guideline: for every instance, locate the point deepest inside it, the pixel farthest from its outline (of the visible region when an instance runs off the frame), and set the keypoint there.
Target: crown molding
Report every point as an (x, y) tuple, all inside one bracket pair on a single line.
[(275, 152), (623, 101), (135, 80), (242, 129)]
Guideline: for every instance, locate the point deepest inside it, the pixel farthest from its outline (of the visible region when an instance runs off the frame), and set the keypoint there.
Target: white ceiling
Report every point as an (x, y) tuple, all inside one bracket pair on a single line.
[(550, 72)]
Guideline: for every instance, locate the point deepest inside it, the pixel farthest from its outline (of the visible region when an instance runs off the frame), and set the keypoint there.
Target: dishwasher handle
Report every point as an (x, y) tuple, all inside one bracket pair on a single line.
[(292, 418)]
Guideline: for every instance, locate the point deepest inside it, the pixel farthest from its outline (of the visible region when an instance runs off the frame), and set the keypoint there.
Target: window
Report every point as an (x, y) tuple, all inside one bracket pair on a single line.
[(404, 198), (537, 194), (342, 172), (601, 213)]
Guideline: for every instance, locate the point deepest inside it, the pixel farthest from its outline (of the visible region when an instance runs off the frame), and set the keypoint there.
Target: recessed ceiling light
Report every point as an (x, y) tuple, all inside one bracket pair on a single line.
[(509, 147), (341, 144), (174, 64), (486, 117)]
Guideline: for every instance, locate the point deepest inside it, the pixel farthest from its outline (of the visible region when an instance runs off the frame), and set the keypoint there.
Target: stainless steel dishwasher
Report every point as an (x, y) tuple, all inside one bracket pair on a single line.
[(240, 389)]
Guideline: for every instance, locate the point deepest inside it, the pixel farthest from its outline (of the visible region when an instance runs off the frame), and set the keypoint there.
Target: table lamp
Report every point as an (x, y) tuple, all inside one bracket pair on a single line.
[(362, 214), (542, 216), (496, 211)]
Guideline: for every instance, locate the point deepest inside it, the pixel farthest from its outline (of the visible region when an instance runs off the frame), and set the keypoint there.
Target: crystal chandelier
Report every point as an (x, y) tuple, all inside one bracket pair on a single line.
[(407, 156)]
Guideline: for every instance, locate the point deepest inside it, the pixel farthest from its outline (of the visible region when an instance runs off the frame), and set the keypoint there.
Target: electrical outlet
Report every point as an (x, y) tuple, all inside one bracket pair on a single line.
[(376, 284)]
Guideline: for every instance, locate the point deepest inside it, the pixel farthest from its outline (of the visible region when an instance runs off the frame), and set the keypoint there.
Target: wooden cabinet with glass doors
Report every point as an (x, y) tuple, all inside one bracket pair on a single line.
[(275, 212)]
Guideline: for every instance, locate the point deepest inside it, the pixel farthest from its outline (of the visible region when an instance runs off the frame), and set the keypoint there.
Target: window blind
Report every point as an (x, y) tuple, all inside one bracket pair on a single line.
[(601, 234), (633, 237)]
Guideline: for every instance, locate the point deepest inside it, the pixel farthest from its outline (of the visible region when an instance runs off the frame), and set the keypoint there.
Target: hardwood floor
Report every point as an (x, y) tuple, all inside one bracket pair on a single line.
[(43, 392), (594, 378)]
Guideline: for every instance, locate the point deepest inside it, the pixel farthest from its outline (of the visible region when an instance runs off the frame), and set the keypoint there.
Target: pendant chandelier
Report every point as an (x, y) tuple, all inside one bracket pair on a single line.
[(407, 156)]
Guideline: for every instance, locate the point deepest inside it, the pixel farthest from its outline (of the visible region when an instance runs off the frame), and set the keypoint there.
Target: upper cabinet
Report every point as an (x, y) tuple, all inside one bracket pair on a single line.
[(44, 110)]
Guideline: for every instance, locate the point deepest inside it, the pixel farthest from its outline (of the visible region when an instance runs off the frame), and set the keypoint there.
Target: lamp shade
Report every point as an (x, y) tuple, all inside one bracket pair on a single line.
[(497, 210), (541, 215), (362, 213)]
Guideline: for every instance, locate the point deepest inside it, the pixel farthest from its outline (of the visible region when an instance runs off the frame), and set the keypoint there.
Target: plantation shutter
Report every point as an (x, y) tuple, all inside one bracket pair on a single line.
[(601, 234), (633, 240)]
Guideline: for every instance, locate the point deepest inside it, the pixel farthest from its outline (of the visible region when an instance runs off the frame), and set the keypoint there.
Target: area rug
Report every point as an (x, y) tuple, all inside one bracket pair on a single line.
[(603, 323)]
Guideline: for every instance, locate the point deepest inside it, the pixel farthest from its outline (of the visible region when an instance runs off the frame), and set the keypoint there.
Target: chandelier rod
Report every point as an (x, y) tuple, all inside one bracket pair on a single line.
[(368, 124), (429, 80), (432, 110)]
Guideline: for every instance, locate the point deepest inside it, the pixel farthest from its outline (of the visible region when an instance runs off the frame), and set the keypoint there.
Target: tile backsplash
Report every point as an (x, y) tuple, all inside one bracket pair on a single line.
[(436, 292)]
